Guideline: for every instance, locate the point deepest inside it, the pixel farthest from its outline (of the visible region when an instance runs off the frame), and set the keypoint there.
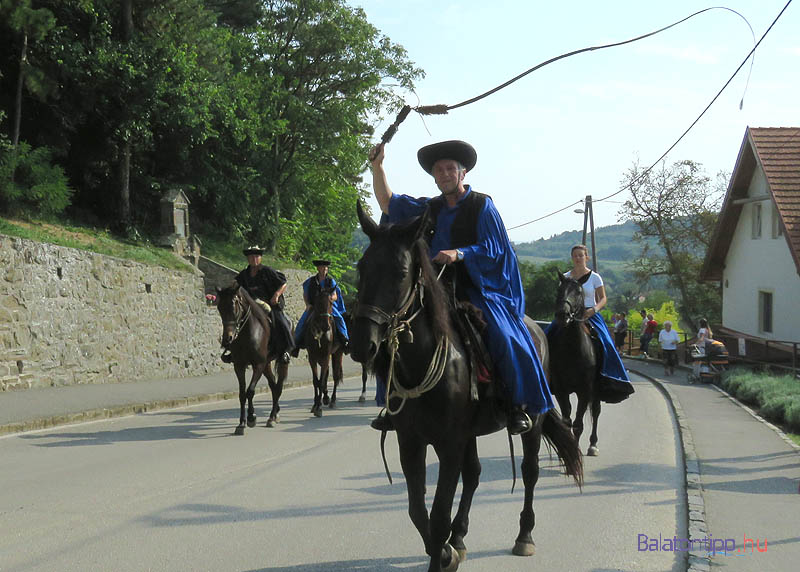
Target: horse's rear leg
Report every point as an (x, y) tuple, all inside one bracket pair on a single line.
[(531, 442), (336, 365), (276, 388), (470, 475), (251, 392), (593, 450)]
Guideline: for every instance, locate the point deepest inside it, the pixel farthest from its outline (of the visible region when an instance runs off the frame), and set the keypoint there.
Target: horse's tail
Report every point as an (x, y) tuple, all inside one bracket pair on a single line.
[(560, 437)]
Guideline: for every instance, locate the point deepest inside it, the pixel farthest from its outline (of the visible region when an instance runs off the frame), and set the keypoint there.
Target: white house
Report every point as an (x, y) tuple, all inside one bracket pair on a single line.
[(755, 249)]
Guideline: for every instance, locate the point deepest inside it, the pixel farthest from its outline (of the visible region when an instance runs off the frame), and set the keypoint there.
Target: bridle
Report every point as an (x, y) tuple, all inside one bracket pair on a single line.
[(327, 316), (574, 313), (398, 330), (242, 315)]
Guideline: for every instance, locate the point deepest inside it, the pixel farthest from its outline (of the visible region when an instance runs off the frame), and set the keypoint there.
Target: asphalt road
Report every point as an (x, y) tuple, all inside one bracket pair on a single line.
[(175, 490)]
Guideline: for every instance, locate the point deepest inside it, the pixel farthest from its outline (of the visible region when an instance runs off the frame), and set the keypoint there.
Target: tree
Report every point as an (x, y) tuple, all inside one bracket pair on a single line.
[(540, 284), (678, 206)]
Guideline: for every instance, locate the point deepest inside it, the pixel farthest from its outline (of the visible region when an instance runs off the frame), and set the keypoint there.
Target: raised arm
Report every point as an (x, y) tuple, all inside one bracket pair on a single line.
[(380, 186)]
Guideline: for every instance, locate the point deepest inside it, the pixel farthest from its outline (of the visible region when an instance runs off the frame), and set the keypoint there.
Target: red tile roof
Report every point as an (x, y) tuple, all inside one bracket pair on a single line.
[(777, 151)]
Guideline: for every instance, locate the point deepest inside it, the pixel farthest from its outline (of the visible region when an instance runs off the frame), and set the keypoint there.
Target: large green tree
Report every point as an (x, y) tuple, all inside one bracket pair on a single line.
[(678, 206)]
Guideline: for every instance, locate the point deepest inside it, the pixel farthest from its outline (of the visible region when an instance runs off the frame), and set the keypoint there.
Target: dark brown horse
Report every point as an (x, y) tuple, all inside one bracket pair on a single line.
[(325, 350), (573, 359), (245, 332), (402, 322)]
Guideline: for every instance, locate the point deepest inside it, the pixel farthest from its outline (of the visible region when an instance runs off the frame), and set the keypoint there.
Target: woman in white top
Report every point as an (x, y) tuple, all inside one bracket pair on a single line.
[(668, 340), (614, 384)]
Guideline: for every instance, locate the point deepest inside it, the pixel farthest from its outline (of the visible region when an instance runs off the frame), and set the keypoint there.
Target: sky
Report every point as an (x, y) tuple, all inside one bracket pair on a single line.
[(574, 127)]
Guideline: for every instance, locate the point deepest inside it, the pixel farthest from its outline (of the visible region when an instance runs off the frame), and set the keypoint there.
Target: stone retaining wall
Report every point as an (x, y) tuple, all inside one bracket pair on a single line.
[(68, 316)]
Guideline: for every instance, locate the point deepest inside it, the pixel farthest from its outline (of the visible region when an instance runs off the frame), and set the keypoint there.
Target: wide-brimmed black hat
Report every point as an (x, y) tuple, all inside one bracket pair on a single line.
[(460, 151), (255, 249), (321, 262)]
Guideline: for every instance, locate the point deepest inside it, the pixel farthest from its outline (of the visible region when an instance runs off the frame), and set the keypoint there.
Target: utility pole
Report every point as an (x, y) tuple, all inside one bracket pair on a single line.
[(588, 217)]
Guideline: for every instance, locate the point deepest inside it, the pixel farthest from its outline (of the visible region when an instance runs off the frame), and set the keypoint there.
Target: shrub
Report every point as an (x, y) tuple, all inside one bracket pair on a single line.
[(38, 186)]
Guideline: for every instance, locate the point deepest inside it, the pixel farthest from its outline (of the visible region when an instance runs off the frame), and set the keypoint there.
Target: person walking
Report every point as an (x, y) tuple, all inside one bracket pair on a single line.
[(668, 339)]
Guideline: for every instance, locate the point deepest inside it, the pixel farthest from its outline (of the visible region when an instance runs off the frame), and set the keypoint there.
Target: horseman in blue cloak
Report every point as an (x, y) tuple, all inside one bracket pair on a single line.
[(471, 235), (311, 287)]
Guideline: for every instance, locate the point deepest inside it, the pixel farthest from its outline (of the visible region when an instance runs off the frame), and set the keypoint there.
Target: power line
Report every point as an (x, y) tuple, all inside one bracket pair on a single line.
[(671, 147)]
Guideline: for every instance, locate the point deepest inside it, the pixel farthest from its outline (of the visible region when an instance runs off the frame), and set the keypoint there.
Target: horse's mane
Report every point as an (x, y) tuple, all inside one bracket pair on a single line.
[(255, 308), (435, 296)]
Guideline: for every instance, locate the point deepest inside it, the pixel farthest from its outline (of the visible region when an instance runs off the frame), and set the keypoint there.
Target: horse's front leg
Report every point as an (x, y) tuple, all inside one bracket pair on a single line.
[(412, 460), (316, 408), (531, 443), (258, 369), (593, 450), (323, 380), (443, 557), (363, 397), (470, 476), (240, 371), (565, 406), (584, 396)]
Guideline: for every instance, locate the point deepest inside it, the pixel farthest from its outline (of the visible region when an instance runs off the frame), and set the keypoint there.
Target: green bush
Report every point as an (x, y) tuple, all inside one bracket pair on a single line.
[(776, 397), (38, 186)]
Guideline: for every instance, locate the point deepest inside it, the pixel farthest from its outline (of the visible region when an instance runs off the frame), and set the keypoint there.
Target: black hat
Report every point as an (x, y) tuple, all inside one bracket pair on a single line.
[(321, 262), (253, 250), (459, 151)]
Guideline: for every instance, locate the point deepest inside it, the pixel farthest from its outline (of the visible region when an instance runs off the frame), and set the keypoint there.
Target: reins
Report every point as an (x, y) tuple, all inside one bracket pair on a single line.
[(399, 331)]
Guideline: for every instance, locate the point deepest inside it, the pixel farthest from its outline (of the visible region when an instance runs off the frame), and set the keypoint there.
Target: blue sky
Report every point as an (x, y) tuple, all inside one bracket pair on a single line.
[(574, 127)]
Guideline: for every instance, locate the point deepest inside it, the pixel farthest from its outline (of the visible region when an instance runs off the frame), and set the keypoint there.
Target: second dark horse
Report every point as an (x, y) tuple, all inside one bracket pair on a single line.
[(246, 332), (402, 322), (574, 359), (325, 350)]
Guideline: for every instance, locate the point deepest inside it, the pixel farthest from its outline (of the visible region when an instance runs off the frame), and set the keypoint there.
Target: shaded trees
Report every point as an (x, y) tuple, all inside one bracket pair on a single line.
[(678, 206)]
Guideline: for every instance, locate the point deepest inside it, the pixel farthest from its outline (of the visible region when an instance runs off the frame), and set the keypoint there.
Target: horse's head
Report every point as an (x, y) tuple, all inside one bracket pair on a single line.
[(322, 307), (569, 299), (232, 307), (387, 275)]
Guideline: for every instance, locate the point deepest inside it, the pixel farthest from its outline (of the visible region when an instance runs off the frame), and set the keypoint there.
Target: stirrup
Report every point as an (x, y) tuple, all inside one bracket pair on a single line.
[(383, 422)]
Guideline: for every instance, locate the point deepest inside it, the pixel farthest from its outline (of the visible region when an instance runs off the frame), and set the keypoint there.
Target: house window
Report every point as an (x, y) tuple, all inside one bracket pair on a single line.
[(765, 311), (777, 228), (757, 220)]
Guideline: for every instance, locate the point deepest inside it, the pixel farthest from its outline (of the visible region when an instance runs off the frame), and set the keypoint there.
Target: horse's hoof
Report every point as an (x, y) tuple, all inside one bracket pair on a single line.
[(362, 398), (271, 422), (239, 430), (593, 451), (523, 548), (325, 400), (251, 422), (318, 412), (332, 405), (454, 560)]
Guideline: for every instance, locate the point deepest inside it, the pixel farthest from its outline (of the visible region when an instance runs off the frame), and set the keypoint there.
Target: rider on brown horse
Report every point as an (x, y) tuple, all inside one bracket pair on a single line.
[(321, 281), (266, 286)]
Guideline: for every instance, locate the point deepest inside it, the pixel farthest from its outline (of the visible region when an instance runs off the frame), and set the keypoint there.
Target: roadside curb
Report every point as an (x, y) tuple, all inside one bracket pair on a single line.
[(129, 409), (698, 561)]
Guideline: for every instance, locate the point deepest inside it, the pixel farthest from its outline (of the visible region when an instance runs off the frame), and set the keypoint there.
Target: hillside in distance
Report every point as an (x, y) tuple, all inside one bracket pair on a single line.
[(614, 244)]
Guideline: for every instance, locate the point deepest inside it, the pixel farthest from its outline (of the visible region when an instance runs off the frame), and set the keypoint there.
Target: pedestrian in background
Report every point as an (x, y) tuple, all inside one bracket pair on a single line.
[(668, 339), (620, 332)]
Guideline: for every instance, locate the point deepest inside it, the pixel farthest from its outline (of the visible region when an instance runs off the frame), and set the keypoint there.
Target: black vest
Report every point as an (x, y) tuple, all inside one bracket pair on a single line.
[(463, 232)]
